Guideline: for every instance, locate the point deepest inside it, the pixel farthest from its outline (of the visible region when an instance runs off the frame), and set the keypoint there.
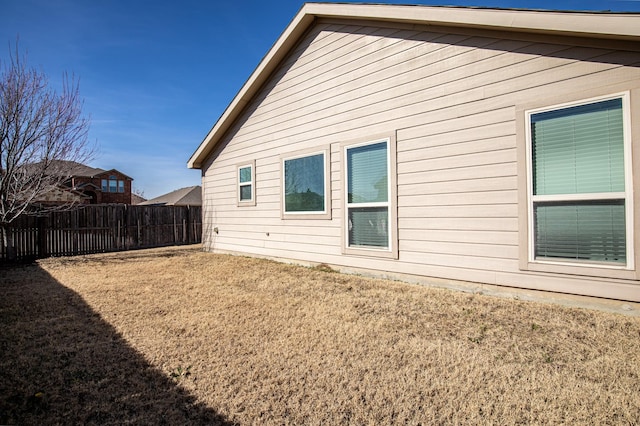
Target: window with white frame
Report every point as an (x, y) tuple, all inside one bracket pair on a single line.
[(368, 207), (246, 186), (305, 184), (580, 204), (112, 184)]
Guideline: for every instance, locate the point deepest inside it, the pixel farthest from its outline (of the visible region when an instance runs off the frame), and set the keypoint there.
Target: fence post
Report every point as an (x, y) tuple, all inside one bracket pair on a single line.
[(138, 229), (43, 228), (188, 220), (125, 220), (175, 226), (120, 215), (75, 231)]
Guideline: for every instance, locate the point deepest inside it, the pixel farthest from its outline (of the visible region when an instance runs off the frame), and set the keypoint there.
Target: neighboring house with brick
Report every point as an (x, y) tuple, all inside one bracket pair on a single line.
[(89, 185), (498, 147)]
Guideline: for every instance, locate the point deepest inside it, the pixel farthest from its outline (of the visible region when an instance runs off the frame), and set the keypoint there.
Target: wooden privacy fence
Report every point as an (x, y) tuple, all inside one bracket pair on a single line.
[(104, 228)]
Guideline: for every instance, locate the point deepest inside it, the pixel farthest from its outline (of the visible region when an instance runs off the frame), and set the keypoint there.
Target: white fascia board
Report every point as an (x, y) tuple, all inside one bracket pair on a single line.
[(623, 26), (581, 24)]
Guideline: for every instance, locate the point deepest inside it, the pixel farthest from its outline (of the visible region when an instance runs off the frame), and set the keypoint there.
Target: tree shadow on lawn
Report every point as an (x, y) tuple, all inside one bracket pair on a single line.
[(60, 363)]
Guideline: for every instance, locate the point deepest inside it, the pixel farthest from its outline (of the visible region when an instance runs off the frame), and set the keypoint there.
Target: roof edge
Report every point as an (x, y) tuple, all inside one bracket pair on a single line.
[(579, 24), (112, 170)]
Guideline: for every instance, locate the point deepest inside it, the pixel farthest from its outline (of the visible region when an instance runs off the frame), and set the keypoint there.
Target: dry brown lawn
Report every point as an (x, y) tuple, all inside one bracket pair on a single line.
[(177, 336)]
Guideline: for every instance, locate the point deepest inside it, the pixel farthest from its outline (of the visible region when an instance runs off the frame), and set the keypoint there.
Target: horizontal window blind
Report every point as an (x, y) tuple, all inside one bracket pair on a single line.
[(367, 173), (578, 158), (368, 195), (593, 231), (369, 226), (579, 150)]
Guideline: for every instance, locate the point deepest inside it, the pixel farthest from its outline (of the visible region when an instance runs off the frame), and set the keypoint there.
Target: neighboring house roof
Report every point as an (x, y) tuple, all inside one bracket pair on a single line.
[(190, 196), (63, 168), (78, 169), (136, 199), (73, 168), (595, 25), (61, 194), (111, 171), (86, 185)]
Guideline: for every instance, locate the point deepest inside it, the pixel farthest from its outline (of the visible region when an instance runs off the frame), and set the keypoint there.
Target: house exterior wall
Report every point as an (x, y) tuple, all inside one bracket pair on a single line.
[(102, 197), (453, 101)]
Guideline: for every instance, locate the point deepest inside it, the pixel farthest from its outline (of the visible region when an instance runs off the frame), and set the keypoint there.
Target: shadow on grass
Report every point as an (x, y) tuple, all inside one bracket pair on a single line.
[(60, 363)]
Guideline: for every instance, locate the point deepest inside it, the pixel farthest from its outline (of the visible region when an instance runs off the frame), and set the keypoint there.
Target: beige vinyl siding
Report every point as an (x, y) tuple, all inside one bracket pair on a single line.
[(451, 101)]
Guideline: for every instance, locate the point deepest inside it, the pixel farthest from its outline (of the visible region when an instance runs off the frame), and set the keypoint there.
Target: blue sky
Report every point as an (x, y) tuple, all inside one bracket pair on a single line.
[(156, 75)]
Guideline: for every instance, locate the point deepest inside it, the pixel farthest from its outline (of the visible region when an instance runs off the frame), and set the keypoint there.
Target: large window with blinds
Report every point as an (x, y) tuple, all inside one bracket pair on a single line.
[(579, 195), (368, 196)]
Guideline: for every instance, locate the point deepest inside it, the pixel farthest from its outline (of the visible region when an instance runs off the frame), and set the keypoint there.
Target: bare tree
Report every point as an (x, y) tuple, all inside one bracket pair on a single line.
[(139, 192), (41, 132)]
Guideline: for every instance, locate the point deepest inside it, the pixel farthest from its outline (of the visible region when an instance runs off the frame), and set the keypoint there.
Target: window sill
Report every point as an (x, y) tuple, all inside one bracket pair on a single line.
[(246, 204), (370, 252), (601, 271), (306, 216)]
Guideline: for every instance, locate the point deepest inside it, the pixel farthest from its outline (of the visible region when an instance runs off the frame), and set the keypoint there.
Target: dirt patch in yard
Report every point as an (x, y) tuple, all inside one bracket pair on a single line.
[(184, 337)]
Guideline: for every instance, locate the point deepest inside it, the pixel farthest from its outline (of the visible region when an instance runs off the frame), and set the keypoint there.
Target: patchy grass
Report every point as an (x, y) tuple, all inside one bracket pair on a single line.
[(177, 336)]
